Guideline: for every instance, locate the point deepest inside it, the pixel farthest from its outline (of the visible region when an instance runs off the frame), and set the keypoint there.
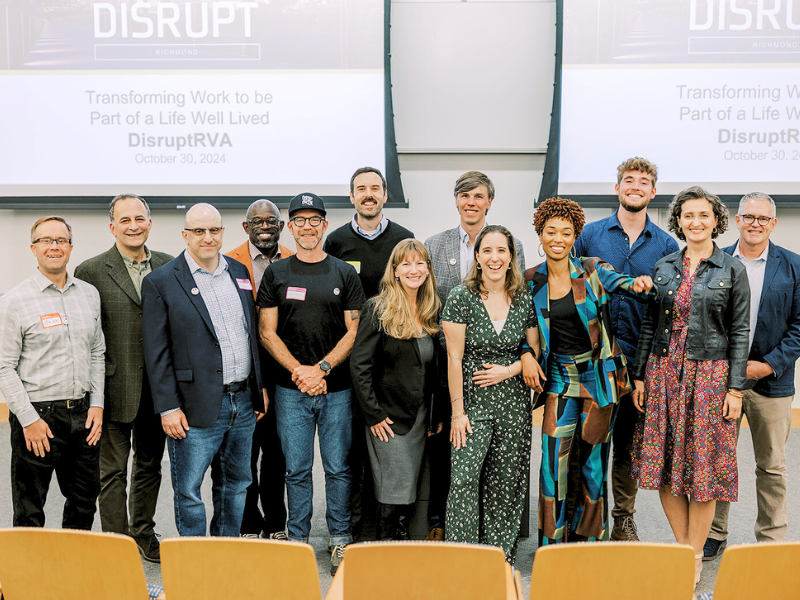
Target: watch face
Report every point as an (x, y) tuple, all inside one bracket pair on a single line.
[(325, 365)]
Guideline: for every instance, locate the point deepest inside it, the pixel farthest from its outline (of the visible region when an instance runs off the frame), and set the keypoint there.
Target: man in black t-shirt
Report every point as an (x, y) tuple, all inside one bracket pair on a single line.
[(366, 242), (310, 304)]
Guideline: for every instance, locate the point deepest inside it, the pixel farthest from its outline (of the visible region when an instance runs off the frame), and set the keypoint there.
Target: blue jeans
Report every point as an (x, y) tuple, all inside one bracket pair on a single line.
[(225, 446), (298, 415)]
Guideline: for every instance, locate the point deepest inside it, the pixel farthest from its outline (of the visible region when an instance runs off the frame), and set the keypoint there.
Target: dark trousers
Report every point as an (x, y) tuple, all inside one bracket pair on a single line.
[(268, 485), (439, 456), (148, 439), (362, 493), (623, 486), (74, 461)]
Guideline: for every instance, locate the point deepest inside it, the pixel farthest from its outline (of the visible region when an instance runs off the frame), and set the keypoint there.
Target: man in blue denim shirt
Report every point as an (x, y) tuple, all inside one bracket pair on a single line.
[(632, 244), (774, 276)]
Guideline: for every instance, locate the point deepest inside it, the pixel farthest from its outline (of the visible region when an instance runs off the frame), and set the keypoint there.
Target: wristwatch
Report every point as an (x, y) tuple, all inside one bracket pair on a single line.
[(325, 366)]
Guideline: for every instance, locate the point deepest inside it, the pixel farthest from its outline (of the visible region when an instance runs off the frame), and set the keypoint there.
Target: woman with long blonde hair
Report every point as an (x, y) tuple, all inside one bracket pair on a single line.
[(395, 369)]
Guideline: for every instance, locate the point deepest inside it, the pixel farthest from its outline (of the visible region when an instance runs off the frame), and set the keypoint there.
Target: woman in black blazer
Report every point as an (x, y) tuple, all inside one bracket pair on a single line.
[(395, 366)]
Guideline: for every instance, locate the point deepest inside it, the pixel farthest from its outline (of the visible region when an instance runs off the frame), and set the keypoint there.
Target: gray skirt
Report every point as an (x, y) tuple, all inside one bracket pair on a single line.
[(396, 464)]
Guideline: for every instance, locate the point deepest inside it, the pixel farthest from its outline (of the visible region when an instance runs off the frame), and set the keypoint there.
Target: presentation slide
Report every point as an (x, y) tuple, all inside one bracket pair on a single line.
[(709, 90), (195, 97)]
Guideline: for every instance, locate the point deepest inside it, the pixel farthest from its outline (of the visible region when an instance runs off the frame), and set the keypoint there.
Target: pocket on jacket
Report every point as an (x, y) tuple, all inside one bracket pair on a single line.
[(719, 289)]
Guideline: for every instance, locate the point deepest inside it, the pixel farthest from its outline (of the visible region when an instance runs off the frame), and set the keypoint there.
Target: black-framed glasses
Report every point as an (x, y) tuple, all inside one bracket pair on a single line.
[(313, 221), (269, 222), (46, 241), (198, 231), (763, 221)]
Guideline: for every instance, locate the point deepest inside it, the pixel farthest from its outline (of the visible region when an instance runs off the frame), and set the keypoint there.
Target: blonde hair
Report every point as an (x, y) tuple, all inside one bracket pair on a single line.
[(392, 308), (515, 282)]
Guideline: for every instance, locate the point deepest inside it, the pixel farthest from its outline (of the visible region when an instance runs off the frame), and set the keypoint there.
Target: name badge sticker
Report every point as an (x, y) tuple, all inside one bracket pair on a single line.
[(356, 264), (51, 320), (244, 284), (296, 293)]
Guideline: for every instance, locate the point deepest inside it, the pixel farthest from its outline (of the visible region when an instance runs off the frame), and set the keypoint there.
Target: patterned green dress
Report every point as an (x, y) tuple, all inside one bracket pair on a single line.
[(490, 474)]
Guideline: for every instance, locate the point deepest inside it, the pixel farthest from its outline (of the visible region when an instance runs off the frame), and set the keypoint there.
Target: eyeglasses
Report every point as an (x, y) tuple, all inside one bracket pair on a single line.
[(313, 221), (46, 241), (270, 222), (198, 231), (763, 221)]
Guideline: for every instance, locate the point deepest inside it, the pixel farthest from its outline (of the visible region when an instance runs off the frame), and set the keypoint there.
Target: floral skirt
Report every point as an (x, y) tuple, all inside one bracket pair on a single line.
[(683, 441)]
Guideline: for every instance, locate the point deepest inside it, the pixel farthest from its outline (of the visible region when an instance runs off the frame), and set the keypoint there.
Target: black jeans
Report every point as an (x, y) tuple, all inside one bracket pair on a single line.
[(148, 439), (74, 461), (268, 480)]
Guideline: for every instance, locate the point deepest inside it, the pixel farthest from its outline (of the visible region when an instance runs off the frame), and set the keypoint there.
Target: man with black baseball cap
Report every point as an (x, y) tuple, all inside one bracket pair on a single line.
[(310, 305)]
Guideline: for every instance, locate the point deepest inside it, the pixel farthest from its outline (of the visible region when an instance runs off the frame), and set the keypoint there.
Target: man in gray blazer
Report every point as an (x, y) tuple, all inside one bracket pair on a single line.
[(117, 274), (452, 255)]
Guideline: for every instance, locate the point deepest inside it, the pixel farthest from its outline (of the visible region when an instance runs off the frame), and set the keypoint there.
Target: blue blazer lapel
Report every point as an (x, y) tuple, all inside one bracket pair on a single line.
[(541, 301), (773, 265), (579, 284), (186, 281)]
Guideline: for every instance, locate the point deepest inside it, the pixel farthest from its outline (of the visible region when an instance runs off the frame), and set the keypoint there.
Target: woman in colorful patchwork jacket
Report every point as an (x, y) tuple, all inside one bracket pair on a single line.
[(586, 374)]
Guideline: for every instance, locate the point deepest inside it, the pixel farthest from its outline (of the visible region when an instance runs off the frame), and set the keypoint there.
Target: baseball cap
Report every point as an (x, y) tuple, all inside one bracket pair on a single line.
[(304, 201)]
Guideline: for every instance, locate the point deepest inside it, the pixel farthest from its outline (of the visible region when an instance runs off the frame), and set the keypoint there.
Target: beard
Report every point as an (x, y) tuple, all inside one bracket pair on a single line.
[(634, 208)]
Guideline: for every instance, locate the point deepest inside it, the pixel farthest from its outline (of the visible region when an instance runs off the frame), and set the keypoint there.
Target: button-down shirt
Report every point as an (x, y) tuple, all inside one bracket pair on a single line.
[(137, 269), (51, 345), (607, 240), (756, 268), (466, 251), (370, 235), (225, 308), (261, 261)]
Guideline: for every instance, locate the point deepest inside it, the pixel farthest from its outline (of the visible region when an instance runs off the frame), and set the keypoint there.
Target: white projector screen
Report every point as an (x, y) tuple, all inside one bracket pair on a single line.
[(708, 90), (181, 99)]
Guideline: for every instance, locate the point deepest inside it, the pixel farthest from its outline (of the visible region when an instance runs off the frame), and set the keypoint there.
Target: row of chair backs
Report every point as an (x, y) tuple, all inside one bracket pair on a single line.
[(50, 564)]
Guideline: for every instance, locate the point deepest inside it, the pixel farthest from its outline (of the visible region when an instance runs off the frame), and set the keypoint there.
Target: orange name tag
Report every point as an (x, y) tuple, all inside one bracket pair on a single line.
[(51, 320)]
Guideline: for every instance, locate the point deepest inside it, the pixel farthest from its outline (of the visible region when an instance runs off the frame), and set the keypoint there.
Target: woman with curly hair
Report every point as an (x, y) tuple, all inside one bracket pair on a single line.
[(395, 369), (585, 371), (690, 369), (485, 321)]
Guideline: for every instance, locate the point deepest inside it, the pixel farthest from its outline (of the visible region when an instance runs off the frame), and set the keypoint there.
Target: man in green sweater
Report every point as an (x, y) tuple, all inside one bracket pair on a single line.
[(366, 242)]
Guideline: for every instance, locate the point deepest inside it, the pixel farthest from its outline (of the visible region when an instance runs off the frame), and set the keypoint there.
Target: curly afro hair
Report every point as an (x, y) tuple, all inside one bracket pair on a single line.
[(697, 193), (559, 208)]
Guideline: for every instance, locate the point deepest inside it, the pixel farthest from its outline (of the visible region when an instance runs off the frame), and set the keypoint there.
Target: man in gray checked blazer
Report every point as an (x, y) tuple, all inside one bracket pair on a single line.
[(452, 255), (117, 274)]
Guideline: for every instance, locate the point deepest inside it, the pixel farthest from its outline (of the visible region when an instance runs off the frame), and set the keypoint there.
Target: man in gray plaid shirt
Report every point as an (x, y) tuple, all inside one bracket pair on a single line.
[(52, 368)]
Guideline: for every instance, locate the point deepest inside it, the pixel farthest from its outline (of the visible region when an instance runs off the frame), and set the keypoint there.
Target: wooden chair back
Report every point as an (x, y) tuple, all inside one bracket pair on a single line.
[(613, 570), (63, 564), (766, 570), (422, 571), (205, 568)]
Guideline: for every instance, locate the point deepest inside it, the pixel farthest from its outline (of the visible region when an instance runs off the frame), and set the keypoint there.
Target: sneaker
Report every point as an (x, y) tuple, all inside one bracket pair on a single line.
[(252, 536), (435, 534), (712, 548), (624, 530), (278, 535), (337, 556), (149, 547)]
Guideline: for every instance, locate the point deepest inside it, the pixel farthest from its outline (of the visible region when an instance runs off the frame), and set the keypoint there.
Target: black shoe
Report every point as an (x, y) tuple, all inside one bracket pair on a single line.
[(712, 548), (149, 548)]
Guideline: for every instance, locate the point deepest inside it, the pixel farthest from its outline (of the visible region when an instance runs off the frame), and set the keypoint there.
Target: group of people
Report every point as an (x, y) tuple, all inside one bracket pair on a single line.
[(391, 350)]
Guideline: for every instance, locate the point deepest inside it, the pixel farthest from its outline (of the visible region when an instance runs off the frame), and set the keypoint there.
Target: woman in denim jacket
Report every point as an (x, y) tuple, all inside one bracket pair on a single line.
[(690, 370)]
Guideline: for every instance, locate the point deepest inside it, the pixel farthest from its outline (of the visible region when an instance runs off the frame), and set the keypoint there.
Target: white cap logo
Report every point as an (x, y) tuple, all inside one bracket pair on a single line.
[(308, 201)]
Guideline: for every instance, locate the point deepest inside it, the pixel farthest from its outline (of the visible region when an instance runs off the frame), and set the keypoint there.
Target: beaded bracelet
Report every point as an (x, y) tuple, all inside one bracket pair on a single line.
[(454, 399)]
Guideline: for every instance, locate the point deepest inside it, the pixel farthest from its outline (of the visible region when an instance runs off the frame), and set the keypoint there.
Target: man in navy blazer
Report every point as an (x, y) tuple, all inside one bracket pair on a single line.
[(774, 275), (201, 352)]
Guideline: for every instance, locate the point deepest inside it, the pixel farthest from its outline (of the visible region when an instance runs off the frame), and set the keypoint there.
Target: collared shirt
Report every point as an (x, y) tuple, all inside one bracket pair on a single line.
[(137, 269), (466, 251), (51, 345), (227, 314), (756, 268), (607, 240), (261, 261), (370, 235)]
